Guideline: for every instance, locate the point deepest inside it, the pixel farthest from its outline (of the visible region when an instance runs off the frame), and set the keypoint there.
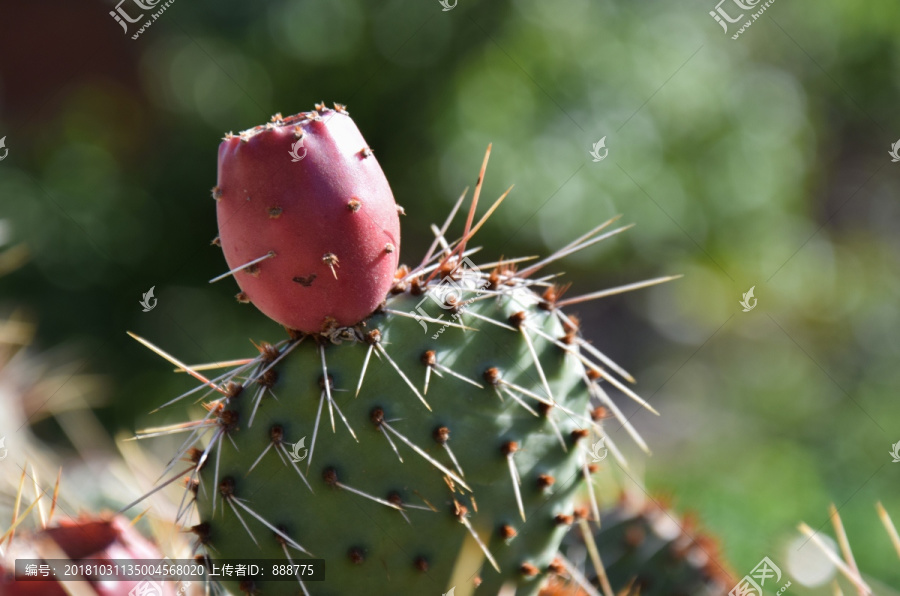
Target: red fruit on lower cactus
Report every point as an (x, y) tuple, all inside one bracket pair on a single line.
[(112, 539), (306, 213)]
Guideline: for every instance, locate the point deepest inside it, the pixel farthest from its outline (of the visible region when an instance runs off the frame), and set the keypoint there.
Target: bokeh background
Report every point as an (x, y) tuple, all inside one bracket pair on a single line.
[(760, 161)]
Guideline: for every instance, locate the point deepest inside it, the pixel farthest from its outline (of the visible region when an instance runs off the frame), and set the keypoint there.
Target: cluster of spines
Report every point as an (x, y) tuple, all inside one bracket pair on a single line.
[(845, 562)]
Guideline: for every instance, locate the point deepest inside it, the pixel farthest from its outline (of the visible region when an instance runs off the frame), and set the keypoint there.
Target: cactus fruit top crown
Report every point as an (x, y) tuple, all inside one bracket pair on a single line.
[(434, 432)]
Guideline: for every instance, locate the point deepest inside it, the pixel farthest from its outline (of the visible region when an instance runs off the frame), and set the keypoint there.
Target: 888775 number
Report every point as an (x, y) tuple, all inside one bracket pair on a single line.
[(293, 569)]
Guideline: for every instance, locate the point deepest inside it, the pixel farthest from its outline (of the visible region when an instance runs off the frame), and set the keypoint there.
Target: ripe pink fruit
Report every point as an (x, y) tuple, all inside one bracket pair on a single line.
[(104, 538), (306, 196)]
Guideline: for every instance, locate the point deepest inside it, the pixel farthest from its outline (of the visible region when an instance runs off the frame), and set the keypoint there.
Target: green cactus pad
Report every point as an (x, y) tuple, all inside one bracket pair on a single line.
[(646, 548), (370, 547), (299, 456)]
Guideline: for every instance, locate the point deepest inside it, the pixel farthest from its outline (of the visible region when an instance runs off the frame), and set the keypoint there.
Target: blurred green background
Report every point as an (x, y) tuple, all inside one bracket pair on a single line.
[(761, 161)]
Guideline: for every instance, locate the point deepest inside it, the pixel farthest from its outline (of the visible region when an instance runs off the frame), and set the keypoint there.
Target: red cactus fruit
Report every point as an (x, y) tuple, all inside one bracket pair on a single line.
[(112, 539), (307, 215)]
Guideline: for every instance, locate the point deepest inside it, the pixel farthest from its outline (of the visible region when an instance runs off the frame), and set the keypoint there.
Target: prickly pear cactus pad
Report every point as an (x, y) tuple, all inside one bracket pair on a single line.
[(644, 547), (436, 438)]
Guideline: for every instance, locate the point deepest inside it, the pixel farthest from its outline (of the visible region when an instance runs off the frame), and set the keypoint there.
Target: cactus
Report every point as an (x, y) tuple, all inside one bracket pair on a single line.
[(38, 482), (101, 538), (420, 441), (641, 546)]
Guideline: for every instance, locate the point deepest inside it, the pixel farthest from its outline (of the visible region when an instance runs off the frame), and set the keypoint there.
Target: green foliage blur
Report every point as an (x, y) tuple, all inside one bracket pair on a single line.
[(760, 161)]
